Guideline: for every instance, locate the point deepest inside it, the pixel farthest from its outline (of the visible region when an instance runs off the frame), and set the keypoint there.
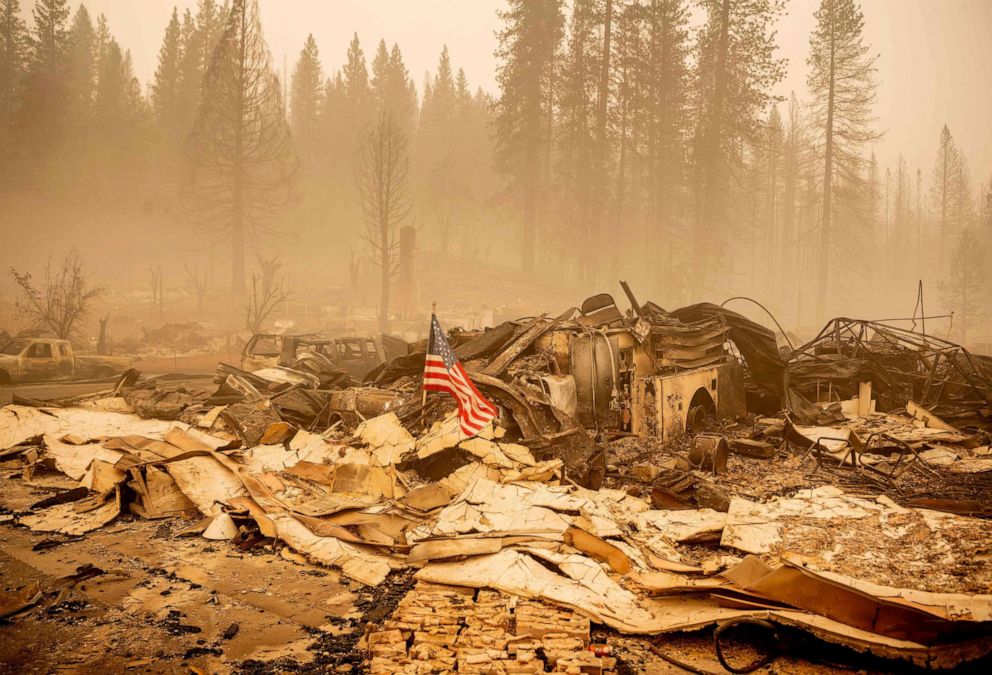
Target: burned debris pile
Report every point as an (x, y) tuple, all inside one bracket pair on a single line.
[(623, 485), (902, 366)]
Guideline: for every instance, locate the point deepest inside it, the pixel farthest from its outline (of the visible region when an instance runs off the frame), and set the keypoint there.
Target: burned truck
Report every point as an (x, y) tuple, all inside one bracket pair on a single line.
[(42, 359), (558, 381), (356, 356), (645, 373)]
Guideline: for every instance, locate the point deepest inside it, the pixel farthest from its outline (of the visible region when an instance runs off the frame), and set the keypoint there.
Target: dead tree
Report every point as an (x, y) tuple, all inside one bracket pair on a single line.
[(155, 272), (196, 281), (62, 300), (261, 303), (406, 282), (270, 267), (242, 164), (354, 270), (103, 341), (383, 185)]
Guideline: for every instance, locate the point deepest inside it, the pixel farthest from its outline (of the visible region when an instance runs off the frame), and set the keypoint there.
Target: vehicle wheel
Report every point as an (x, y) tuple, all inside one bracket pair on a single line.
[(700, 418), (105, 371), (5, 377)]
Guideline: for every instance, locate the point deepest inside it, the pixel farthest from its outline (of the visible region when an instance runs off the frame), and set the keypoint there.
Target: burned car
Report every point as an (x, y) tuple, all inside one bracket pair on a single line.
[(354, 355), (39, 359)]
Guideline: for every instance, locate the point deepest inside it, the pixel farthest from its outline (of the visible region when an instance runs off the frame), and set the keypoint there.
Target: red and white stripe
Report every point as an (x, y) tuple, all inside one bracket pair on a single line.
[(474, 411)]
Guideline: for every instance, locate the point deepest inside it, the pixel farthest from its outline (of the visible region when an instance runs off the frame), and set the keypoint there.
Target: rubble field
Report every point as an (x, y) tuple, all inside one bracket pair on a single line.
[(662, 492)]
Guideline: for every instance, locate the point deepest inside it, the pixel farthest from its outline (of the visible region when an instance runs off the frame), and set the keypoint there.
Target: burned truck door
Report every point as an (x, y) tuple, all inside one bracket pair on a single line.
[(65, 360), (662, 403), (594, 363), (39, 362), (261, 351)]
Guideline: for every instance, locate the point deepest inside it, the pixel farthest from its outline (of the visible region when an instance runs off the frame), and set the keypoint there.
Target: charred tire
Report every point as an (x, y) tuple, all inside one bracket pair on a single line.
[(105, 371), (702, 412), (699, 419), (5, 377)]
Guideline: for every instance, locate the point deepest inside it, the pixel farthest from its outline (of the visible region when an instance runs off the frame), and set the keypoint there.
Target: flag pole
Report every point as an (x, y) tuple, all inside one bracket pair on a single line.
[(423, 398)]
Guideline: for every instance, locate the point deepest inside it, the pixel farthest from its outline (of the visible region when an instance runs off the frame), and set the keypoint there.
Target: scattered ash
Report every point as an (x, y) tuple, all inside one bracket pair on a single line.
[(194, 652), (173, 625), (69, 612), (67, 606), (332, 651), (378, 602), (163, 531)]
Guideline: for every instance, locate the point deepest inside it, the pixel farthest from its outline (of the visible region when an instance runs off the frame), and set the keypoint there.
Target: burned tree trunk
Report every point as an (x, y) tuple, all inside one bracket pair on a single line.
[(242, 162), (384, 190)]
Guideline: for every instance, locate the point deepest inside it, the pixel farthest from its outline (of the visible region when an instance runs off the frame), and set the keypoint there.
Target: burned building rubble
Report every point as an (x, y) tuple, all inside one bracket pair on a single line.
[(650, 474)]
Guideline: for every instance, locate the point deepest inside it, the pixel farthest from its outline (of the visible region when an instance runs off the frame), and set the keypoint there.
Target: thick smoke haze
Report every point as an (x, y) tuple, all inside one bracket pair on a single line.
[(934, 61), (536, 152)]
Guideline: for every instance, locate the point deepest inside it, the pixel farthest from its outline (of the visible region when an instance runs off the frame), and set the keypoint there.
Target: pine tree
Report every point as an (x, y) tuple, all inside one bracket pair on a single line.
[(436, 136), (462, 93), (874, 197), (337, 129), (118, 104), (442, 91), (352, 97), (964, 212), (793, 159), (13, 59), (42, 115), (625, 125), (346, 115), (528, 44), (200, 34), (392, 89), (242, 163), (211, 21), (842, 84), (356, 73), (601, 180), (772, 178), (190, 71), (948, 193), (473, 157), (901, 227), (168, 80), (380, 75), (577, 136), (736, 72), (50, 38), (307, 93), (81, 65), (101, 40), (966, 291), (667, 82)]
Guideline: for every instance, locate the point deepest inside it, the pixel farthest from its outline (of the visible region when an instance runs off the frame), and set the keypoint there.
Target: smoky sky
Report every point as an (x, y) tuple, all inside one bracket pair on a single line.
[(934, 56)]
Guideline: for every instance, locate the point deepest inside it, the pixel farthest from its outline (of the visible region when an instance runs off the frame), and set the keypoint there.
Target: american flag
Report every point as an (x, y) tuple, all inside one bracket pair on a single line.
[(443, 372)]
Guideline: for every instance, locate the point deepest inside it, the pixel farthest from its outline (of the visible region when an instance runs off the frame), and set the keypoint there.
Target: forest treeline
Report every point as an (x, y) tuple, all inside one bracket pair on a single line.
[(636, 139)]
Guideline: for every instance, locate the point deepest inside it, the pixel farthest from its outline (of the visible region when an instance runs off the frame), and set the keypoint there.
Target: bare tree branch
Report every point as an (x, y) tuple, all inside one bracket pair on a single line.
[(262, 303), (384, 190), (62, 301)]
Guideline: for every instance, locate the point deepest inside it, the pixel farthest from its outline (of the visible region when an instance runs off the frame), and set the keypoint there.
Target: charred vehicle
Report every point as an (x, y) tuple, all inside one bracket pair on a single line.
[(558, 381), (49, 359), (354, 355), (647, 373)]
